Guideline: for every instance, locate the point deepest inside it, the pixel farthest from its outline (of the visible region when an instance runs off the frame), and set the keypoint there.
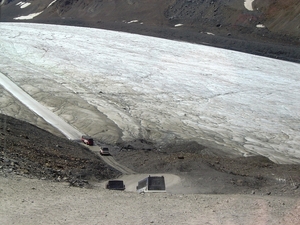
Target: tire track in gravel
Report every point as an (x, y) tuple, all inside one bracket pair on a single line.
[(112, 162)]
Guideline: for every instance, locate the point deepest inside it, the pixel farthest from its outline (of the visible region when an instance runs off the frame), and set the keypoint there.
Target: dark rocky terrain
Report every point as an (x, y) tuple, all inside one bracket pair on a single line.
[(32, 152)]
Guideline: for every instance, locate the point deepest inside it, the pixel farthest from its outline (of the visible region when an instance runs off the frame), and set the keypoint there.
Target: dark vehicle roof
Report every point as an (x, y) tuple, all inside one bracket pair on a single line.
[(116, 184), (156, 183), (153, 183), (115, 181)]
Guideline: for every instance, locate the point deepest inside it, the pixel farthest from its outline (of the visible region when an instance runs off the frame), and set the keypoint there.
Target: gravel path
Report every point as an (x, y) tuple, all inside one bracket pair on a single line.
[(31, 201)]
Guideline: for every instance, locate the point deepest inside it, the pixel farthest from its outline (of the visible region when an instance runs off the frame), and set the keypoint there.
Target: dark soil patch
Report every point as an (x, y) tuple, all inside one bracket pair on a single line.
[(32, 152)]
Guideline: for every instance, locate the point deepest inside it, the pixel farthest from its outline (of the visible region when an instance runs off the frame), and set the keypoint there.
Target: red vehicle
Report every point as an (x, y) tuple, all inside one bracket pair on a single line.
[(87, 140)]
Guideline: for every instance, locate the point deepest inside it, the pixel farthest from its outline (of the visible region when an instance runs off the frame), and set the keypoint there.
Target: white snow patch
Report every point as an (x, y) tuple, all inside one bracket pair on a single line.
[(133, 21), (209, 33), (28, 17), (248, 4), (260, 26), (23, 4), (51, 3), (178, 25)]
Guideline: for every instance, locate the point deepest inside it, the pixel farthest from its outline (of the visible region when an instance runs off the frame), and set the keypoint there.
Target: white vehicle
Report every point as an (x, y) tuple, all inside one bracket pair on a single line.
[(152, 184), (104, 151)]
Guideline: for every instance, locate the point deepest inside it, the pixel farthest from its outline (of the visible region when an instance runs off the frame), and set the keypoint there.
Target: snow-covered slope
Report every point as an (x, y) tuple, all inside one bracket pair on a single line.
[(163, 90)]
